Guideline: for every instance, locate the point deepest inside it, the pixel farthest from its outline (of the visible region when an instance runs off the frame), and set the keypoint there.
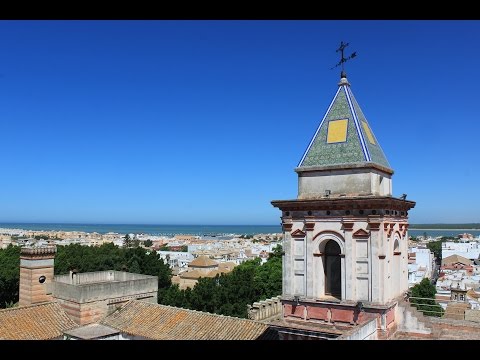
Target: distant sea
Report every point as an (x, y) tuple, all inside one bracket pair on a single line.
[(194, 229), (150, 229), (447, 232)]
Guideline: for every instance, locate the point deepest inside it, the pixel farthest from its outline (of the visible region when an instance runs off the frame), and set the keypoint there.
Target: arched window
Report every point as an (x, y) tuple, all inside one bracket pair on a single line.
[(333, 269), (396, 246)]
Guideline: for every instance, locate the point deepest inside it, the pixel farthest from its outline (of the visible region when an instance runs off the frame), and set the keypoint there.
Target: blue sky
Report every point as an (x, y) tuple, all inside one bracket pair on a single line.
[(203, 122)]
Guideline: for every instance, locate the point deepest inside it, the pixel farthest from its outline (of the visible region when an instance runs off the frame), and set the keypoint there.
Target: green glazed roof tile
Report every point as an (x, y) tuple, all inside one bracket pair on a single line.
[(343, 136)]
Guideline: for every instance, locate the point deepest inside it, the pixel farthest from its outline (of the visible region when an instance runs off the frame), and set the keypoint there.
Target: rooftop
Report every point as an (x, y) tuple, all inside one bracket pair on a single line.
[(161, 322), (192, 274), (36, 322), (202, 261), (91, 331), (452, 259), (344, 136)]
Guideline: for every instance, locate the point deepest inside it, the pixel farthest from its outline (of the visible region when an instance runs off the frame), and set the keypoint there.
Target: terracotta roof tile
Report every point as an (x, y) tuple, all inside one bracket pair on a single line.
[(473, 294), (452, 259), (226, 266), (35, 322), (202, 261), (161, 322), (193, 274)]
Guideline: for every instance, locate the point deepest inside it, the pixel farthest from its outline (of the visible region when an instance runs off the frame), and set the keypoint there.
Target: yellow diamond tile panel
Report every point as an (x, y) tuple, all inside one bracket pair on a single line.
[(368, 132), (337, 131)]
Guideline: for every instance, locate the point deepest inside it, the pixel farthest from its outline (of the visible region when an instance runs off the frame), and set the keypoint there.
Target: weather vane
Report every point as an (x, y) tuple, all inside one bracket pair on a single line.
[(343, 59)]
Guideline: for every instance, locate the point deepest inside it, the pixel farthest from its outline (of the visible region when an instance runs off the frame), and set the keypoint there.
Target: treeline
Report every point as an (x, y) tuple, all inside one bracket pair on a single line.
[(9, 275), (111, 257), (471, 226), (227, 294), (230, 294), (182, 248), (436, 247), (83, 259)]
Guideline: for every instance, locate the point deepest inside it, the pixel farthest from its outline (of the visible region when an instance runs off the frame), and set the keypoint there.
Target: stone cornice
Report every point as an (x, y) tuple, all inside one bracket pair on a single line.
[(44, 252), (367, 165), (344, 203)]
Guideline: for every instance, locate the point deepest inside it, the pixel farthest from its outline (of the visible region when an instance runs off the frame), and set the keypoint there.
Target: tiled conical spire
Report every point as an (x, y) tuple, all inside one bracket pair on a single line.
[(343, 136)]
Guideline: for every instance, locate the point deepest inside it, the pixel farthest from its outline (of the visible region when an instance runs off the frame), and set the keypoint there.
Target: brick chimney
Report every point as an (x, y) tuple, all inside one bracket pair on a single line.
[(36, 274)]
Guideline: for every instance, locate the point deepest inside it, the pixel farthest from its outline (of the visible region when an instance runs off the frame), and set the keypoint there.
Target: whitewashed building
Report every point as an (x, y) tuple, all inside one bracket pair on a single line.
[(469, 250), (420, 265)]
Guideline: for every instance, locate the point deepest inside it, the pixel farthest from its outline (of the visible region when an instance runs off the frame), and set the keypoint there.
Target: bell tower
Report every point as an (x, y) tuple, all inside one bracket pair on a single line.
[(36, 274), (345, 235)]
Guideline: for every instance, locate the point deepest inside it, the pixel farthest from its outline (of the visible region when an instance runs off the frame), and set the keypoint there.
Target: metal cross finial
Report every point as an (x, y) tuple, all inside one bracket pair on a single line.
[(343, 58)]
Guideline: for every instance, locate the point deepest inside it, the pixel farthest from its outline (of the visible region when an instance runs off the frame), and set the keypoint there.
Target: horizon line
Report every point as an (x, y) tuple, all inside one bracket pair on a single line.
[(177, 224), (151, 224)]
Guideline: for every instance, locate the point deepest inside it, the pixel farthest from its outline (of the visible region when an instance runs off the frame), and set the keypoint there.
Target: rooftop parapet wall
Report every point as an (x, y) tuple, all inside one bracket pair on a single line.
[(99, 276), (267, 309), (103, 285), (86, 278)]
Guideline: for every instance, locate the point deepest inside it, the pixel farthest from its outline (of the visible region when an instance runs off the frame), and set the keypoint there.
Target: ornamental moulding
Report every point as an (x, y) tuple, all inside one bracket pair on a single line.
[(298, 233), (309, 226), (361, 233), (348, 226)]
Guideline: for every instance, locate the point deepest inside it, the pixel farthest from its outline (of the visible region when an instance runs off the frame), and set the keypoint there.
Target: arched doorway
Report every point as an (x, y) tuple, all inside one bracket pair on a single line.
[(333, 269)]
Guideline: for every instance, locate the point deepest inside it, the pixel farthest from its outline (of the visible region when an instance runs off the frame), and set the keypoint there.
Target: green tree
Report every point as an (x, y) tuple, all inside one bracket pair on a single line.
[(84, 259), (436, 248), (422, 297), (109, 256), (127, 241), (268, 278), (148, 243), (9, 275), (230, 294), (173, 296)]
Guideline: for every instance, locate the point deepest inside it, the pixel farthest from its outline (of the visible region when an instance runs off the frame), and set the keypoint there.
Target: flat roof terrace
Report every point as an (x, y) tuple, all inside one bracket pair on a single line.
[(101, 285)]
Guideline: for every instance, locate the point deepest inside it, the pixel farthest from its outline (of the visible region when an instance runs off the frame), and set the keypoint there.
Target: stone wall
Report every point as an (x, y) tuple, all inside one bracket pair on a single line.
[(97, 277), (81, 291), (411, 321), (88, 297), (94, 311), (450, 329), (472, 315), (341, 181), (367, 331), (266, 309)]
